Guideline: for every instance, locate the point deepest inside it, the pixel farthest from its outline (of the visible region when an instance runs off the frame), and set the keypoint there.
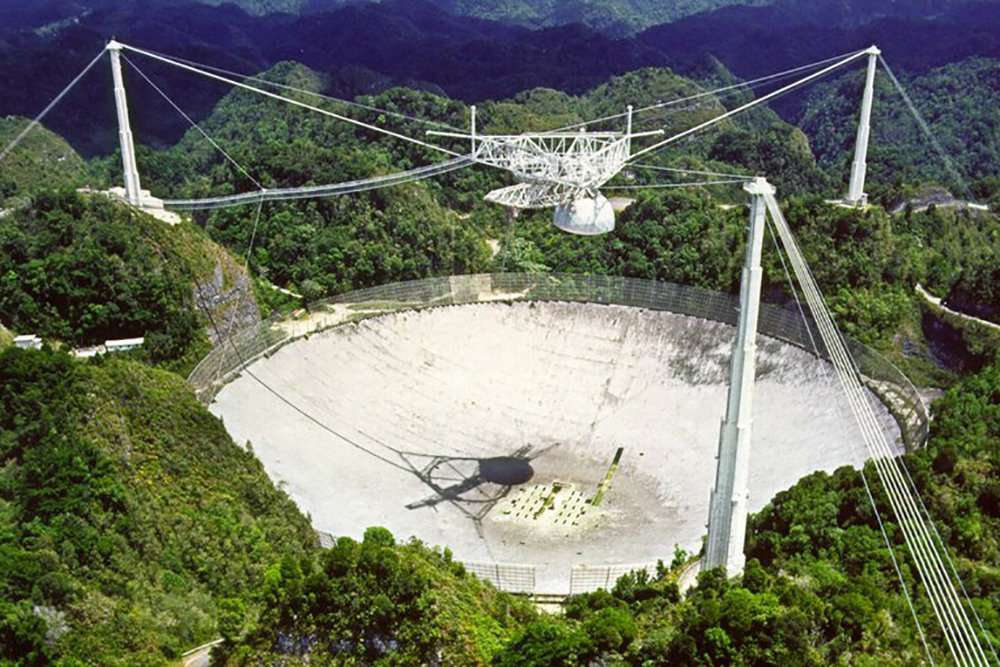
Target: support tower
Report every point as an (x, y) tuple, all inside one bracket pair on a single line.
[(133, 190), (727, 514), (856, 189)]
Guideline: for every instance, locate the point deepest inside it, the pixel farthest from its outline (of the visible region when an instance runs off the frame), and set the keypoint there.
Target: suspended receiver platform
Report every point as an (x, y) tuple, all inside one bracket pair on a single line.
[(564, 170)]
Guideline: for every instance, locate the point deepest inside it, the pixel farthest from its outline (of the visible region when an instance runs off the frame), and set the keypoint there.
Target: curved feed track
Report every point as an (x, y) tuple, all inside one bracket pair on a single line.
[(490, 427)]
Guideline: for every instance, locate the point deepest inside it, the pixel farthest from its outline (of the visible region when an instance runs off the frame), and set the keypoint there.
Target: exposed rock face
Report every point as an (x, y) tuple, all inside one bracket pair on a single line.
[(227, 294)]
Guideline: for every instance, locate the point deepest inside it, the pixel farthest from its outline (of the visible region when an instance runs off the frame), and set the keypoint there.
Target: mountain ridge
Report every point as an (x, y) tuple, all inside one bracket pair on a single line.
[(414, 42)]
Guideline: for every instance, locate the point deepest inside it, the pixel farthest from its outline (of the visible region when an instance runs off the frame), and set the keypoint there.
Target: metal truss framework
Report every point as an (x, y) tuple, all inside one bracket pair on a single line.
[(553, 168)]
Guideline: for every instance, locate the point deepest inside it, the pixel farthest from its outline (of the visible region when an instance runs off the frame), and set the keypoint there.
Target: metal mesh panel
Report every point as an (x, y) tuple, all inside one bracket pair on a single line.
[(226, 360), (507, 577), (589, 578)]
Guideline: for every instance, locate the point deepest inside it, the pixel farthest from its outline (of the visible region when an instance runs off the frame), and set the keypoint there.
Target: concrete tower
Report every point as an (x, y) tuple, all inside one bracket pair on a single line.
[(133, 190), (727, 514), (856, 190)]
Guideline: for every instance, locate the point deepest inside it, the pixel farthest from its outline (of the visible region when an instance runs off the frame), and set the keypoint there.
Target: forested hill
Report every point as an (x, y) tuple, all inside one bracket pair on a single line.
[(959, 101), (130, 523), (415, 43), (610, 16), (80, 269), (42, 160), (753, 41)]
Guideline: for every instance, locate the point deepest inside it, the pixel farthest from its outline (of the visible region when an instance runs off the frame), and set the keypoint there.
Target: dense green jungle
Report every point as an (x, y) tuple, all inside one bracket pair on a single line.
[(133, 528)]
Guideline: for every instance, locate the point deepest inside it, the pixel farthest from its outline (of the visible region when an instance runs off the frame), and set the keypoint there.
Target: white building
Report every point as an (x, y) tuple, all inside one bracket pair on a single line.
[(28, 342), (88, 352), (123, 344)]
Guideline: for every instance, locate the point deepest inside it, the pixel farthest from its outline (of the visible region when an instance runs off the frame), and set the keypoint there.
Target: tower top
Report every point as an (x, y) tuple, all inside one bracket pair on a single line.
[(114, 45), (873, 50), (759, 186)]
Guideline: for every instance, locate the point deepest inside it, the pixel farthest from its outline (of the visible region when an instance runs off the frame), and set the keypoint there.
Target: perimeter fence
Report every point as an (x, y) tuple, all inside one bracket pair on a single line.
[(788, 324), (507, 577), (589, 578)]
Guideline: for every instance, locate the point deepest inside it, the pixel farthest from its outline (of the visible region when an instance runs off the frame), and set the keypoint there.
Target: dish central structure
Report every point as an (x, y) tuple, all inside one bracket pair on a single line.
[(560, 170), (526, 432)]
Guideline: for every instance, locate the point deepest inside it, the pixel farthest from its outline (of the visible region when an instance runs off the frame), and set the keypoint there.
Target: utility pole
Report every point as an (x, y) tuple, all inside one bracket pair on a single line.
[(133, 191), (727, 514), (856, 190)]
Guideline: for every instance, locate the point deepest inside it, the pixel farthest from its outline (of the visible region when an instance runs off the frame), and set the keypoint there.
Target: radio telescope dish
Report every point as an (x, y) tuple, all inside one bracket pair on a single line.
[(586, 216)]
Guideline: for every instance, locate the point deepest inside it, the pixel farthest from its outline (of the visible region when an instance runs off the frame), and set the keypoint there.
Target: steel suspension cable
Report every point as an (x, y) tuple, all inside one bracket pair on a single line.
[(44, 112), (834, 347), (330, 98), (861, 471), (916, 547), (962, 641), (689, 184), (706, 101), (951, 598), (282, 194), (697, 172), (919, 548), (760, 100), (292, 101), (195, 125), (317, 191), (246, 266), (925, 128)]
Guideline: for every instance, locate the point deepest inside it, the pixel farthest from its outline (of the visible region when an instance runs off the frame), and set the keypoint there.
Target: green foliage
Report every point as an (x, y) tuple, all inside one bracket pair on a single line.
[(83, 269), (520, 255), (547, 642), (647, 87), (872, 317), (958, 474), (977, 290), (125, 513), (330, 245), (956, 100), (378, 603), (781, 152), (43, 160), (613, 15), (824, 533)]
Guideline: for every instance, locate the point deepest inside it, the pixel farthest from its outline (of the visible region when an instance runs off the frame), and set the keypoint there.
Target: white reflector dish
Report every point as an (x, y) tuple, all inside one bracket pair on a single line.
[(587, 216)]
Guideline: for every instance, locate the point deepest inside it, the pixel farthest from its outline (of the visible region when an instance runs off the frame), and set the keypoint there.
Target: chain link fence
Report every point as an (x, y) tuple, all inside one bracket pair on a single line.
[(788, 324), (507, 577), (589, 578)]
